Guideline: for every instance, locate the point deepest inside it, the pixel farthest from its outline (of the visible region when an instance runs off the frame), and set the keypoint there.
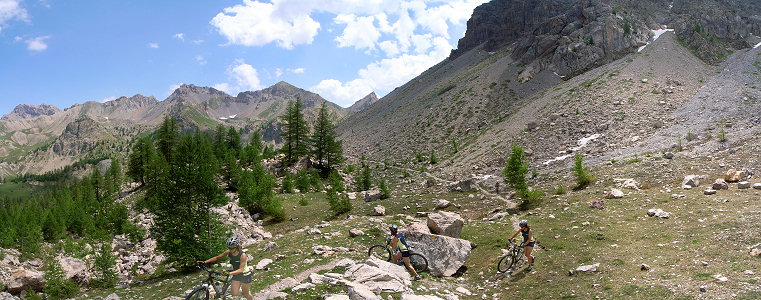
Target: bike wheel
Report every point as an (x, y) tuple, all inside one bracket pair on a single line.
[(418, 262), (379, 252), (505, 263), (199, 293)]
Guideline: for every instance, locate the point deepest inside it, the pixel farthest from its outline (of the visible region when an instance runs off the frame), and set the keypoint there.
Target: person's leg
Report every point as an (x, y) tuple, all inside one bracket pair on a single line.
[(409, 266), (235, 288), (246, 291), (396, 257), (527, 251)]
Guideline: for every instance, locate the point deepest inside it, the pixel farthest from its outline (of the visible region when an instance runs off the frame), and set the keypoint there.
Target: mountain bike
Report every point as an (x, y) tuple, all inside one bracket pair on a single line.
[(217, 282), (513, 258), (383, 252)]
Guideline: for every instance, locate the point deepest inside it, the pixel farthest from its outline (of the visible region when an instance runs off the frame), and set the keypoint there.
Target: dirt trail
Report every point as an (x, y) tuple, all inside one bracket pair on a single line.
[(293, 281)]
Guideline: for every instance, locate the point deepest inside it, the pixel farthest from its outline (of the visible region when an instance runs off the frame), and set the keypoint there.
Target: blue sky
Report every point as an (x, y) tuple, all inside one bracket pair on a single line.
[(66, 52)]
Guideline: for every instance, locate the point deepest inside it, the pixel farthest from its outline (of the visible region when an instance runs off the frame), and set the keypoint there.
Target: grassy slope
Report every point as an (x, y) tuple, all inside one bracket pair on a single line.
[(715, 229)]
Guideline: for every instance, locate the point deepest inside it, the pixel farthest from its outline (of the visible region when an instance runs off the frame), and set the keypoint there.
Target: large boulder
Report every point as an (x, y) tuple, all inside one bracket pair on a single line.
[(445, 223), (378, 210), (445, 254), (358, 291), (614, 194), (371, 195), (75, 269), (421, 227), (22, 279), (465, 186), (734, 176), (380, 276)]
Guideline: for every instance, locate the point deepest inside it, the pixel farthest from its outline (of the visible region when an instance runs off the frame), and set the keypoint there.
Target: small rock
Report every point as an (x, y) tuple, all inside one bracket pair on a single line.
[(749, 272), (720, 184), (755, 250), (757, 186), (704, 263), (463, 291), (691, 180), (743, 185), (686, 187), (354, 232), (421, 214), (703, 288), (645, 80), (644, 267), (378, 211), (303, 286), (614, 194), (588, 268), (442, 204), (314, 231), (709, 192), (668, 155), (720, 278), (262, 265), (658, 213), (269, 246), (598, 204)]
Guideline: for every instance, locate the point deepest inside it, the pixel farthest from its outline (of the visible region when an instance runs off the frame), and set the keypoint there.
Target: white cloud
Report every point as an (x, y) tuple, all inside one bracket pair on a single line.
[(201, 60), (278, 72), (297, 70), (360, 32), (152, 45), (180, 36), (197, 42), (255, 24), (106, 99), (173, 87), (37, 44), (245, 76), (12, 10)]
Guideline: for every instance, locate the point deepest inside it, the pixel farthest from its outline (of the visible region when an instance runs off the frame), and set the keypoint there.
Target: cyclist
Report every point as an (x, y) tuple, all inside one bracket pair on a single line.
[(242, 274), (528, 242), (401, 250)]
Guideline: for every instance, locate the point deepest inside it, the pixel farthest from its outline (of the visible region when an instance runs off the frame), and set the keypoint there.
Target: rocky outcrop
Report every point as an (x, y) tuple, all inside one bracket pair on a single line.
[(75, 269), (445, 254), (26, 111), (380, 276), (245, 227), (445, 223), (363, 103), (564, 36), (22, 279)]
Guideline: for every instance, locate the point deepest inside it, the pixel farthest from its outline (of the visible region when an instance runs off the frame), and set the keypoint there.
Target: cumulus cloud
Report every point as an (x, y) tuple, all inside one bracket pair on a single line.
[(255, 24), (37, 44), (152, 45), (245, 76), (12, 10), (180, 36), (278, 72), (297, 70), (360, 32)]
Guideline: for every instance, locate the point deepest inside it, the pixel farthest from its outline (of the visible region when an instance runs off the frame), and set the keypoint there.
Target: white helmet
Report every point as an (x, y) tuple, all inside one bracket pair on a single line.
[(233, 242)]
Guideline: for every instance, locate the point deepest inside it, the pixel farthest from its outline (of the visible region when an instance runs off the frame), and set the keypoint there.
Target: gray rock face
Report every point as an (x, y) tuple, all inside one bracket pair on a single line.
[(445, 223), (363, 103), (380, 276), (445, 254), (358, 291), (7, 296), (26, 111), (22, 279), (75, 269)]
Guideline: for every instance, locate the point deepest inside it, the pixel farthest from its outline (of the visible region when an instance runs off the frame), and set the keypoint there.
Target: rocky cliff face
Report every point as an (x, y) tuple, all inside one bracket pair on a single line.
[(26, 111), (570, 37), (363, 103)]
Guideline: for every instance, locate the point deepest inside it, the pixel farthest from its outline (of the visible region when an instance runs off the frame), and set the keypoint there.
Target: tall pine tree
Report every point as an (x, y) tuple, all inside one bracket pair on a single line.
[(137, 164), (327, 151), (295, 132)]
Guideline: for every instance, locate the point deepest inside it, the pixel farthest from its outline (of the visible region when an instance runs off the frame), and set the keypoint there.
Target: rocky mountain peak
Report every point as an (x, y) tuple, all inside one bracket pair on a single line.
[(363, 103), (26, 111), (135, 101), (195, 94)]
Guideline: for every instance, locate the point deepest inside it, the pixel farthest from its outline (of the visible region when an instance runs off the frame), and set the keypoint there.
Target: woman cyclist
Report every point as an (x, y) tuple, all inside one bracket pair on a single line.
[(242, 275), (402, 250), (528, 242)]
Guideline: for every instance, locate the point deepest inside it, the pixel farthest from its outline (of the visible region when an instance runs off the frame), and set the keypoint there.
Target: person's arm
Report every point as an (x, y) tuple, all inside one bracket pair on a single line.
[(530, 236), (215, 258), (242, 266), (514, 234), (393, 242)]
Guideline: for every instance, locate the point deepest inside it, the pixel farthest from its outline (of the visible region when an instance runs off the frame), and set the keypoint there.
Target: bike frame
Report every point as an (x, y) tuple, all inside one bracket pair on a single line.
[(214, 276)]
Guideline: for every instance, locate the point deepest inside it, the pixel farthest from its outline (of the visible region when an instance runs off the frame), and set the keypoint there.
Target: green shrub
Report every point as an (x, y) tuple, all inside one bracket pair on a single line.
[(288, 183), (419, 157), (363, 180), (560, 190), (349, 169), (433, 160), (30, 294), (303, 201), (515, 172), (56, 287), (531, 199), (690, 135), (385, 193), (302, 181), (583, 176), (339, 203), (105, 268)]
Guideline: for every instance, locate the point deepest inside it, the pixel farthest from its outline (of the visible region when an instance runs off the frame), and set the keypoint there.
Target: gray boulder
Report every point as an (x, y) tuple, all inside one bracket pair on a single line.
[(614, 194), (378, 210), (358, 291), (743, 185), (691, 180), (757, 186), (75, 269), (112, 296), (371, 195), (7, 296), (380, 276), (719, 184), (22, 279), (463, 186), (445, 254), (445, 223), (709, 192)]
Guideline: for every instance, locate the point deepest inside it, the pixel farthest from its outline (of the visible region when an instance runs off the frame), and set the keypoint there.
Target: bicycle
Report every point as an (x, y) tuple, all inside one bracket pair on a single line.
[(214, 280), (513, 257), (383, 252)]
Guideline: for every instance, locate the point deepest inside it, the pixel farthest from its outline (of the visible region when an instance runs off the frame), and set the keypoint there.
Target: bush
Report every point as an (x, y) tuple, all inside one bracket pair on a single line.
[(583, 176), (363, 180), (433, 159), (531, 199), (419, 157), (104, 267), (560, 190), (56, 287), (515, 172), (339, 203), (385, 193), (303, 201), (288, 183), (302, 181)]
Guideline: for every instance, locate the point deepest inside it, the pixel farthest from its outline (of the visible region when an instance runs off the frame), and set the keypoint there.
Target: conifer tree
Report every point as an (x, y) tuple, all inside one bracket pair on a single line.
[(168, 136), (363, 179), (339, 203), (220, 146), (385, 193), (252, 153), (233, 141), (327, 151), (139, 158), (295, 132), (515, 172)]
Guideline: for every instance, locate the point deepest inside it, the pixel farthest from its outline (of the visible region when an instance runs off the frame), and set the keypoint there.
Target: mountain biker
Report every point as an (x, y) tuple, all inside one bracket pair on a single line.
[(242, 275), (528, 242), (401, 250)]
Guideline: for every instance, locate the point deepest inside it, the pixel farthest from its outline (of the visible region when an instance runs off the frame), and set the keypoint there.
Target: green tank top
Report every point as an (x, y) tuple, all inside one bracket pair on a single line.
[(235, 261)]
